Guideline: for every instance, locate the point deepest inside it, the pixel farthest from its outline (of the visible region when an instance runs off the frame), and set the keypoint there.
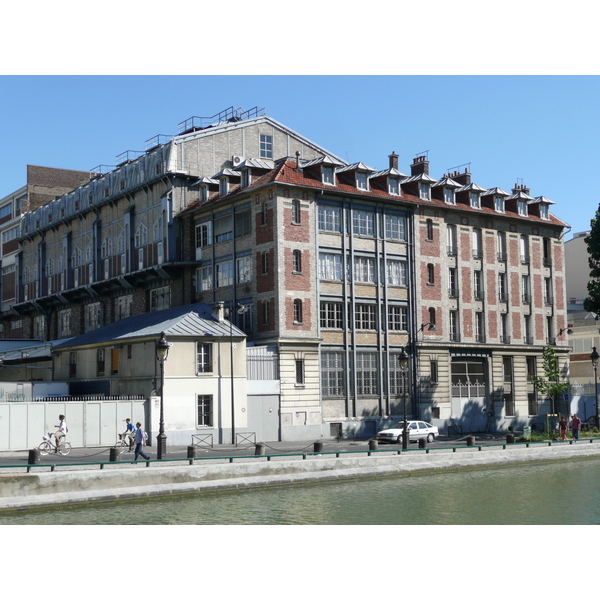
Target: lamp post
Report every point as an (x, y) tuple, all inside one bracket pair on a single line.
[(403, 360), (594, 356), (162, 350), (241, 309)]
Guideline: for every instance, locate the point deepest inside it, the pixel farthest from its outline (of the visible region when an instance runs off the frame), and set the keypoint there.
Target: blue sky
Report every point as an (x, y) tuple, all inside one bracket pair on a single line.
[(542, 131)]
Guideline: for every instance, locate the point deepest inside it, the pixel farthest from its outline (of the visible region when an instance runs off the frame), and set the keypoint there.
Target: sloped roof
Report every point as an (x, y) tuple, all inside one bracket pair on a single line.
[(256, 163), (446, 182), (541, 200), (472, 187), (495, 192), (192, 320), (359, 166)]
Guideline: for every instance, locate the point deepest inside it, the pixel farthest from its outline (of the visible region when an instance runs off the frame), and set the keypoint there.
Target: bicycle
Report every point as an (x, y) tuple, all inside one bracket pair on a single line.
[(123, 443), (47, 446)]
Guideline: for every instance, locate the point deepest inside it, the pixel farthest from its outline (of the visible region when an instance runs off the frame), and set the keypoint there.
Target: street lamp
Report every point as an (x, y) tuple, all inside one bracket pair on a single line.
[(241, 309), (162, 350), (594, 356), (403, 360)]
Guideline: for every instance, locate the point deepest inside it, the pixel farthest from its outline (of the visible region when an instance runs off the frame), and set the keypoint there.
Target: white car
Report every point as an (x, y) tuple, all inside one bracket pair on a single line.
[(416, 430)]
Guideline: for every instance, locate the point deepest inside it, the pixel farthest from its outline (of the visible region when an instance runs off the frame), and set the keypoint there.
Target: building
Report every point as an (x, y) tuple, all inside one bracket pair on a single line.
[(331, 269)]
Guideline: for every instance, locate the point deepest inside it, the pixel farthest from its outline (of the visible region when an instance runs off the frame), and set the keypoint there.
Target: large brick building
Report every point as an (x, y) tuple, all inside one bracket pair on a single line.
[(339, 265)]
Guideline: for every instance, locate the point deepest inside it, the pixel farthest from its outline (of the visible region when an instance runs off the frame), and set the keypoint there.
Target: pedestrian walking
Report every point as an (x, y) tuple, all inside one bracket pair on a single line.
[(575, 426), (563, 427), (139, 442)]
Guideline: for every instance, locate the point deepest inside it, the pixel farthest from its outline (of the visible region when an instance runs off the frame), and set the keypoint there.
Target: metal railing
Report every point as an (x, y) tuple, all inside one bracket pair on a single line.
[(14, 397)]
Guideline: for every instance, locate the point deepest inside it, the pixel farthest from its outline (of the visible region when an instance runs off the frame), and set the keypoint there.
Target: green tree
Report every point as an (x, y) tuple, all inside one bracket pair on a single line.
[(549, 384), (592, 302)]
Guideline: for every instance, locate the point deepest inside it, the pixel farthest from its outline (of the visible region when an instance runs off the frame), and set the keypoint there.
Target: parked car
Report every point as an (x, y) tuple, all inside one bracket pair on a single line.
[(416, 431)]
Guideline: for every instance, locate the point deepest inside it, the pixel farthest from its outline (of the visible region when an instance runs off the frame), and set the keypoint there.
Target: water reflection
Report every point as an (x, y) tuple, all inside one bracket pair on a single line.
[(555, 493)]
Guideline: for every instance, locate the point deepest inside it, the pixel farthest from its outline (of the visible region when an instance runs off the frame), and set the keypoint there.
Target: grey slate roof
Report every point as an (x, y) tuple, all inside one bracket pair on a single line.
[(495, 192), (192, 320)]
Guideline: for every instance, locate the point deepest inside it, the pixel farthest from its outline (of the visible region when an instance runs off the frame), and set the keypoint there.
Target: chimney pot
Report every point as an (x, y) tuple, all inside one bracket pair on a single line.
[(393, 160)]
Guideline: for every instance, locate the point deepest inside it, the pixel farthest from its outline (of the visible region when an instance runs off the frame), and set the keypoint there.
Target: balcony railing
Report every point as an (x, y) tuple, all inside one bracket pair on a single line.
[(505, 339), (454, 337), (549, 300), (451, 250), (547, 261), (528, 339), (480, 338), (502, 296), (477, 253), (526, 298), (524, 259), (478, 295), (501, 256), (452, 292)]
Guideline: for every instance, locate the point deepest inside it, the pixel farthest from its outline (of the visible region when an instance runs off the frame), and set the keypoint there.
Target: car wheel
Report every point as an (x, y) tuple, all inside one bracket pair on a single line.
[(430, 438)]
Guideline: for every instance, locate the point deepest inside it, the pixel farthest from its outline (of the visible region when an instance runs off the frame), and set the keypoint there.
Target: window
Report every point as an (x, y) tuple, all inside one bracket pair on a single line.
[(502, 288), (524, 246), (550, 331), (525, 289), (223, 186), (361, 181), (205, 411), (330, 266), (297, 261), (204, 358), (432, 316), (160, 298), (331, 315), (64, 323), (451, 233), (297, 311), (478, 285), (397, 272), (477, 243), (548, 299), (528, 338), (330, 219), (333, 374), (364, 270), (393, 186), (141, 236), (204, 279), (522, 208), (243, 225), (72, 364), (504, 336), (433, 372), (424, 191), (531, 369), (544, 212), (11, 234), (266, 146), (93, 316), (395, 228), (429, 230), (39, 327), (509, 405), (547, 249), (265, 263), (224, 273), (363, 222), (397, 318), (367, 374), (449, 196), (365, 316), (223, 229), (532, 405), (479, 327), (475, 200), (507, 369), (124, 305), (100, 362), (327, 174), (245, 182), (296, 212), (452, 283), (499, 204), (299, 371), (453, 325), (501, 246), (265, 311), (430, 274), (244, 269)]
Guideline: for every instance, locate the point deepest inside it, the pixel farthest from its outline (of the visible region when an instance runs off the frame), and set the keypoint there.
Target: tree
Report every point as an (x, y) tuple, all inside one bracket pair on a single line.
[(592, 302), (549, 385)]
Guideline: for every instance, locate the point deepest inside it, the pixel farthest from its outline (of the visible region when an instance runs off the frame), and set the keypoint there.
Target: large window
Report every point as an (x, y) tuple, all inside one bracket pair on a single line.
[(365, 316), (160, 298), (364, 270), (398, 318), (332, 316), (224, 273), (204, 358), (451, 234), (397, 272), (367, 374), (266, 146), (243, 223), (223, 228), (395, 228), (93, 316), (244, 269), (330, 218), (363, 223), (330, 266), (205, 411), (124, 306), (333, 374)]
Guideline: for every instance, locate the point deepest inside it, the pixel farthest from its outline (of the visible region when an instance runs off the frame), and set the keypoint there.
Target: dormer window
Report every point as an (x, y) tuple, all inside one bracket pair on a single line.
[(424, 191), (393, 186), (449, 196), (245, 178), (475, 200), (544, 212), (522, 208), (327, 174), (203, 193), (223, 186), (361, 181), (499, 204)]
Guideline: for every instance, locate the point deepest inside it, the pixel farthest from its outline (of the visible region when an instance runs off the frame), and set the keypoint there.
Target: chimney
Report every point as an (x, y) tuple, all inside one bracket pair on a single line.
[(420, 165), (218, 311), (520, 187), (297, 159), (393, 160), (462, 178)]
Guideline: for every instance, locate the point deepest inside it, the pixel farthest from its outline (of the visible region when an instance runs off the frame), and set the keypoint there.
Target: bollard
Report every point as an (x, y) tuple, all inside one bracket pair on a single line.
[(373, 445), (191, 451), (422, 443), (114, 455), (34, 457), (470, 440), (318, 447), (510, 438), (259, 450)]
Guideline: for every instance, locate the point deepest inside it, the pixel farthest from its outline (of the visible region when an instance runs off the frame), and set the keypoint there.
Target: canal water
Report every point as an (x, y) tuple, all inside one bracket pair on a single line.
[(558, 493)]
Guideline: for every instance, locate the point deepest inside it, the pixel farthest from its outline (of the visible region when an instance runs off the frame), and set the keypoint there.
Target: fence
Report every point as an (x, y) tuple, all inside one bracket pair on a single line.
[(88, 398)]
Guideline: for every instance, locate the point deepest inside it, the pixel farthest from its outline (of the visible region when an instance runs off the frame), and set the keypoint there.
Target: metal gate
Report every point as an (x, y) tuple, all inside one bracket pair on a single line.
[(263, 417)]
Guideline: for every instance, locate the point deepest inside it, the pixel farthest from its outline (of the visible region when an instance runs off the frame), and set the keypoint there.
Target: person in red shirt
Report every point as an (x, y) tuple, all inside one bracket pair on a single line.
[(575, 426), (563, 427)]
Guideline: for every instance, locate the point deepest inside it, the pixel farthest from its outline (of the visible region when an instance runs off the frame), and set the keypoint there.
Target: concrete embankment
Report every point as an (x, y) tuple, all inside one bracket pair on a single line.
[(28, 490)]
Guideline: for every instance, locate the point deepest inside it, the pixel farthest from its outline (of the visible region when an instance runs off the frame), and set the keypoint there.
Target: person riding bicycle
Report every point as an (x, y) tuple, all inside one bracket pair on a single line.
[(61, 432), (130, 433)]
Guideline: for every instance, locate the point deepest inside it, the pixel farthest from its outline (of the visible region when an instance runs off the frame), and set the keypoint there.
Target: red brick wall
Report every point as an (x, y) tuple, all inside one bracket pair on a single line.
[(297, 281), (265, 282), (306, 315)]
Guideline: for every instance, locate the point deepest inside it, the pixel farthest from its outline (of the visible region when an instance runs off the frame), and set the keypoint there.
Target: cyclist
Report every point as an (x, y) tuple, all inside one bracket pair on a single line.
[(130, 433), (61, 432)]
